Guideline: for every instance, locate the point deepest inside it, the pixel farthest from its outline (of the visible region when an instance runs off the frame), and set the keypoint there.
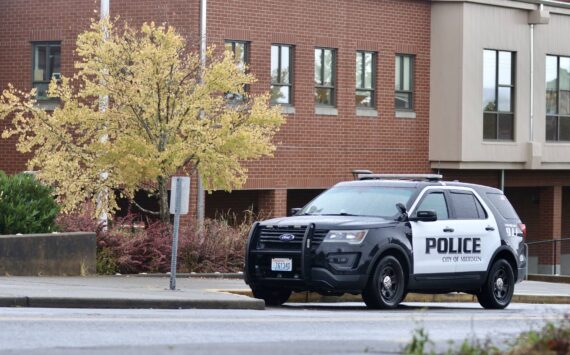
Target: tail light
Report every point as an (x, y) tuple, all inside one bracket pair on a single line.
[(522, 227)]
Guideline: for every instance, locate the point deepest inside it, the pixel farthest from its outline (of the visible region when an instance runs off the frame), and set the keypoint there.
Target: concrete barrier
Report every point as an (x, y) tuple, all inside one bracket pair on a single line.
[(59, 254)]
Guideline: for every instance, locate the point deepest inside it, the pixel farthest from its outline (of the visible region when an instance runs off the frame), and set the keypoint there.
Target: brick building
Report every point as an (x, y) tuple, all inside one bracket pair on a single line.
[(357, 91)]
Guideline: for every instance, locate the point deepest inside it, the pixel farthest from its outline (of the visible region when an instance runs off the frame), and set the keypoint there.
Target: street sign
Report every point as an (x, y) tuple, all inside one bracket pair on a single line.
[(184, 194), (179, 201)]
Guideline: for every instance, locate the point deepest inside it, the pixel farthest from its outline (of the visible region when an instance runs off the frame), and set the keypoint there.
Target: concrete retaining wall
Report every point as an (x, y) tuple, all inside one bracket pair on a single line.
[(60, 254)]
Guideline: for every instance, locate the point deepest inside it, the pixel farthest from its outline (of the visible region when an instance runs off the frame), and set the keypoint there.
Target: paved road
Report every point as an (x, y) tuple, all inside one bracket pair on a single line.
[(342, 328)]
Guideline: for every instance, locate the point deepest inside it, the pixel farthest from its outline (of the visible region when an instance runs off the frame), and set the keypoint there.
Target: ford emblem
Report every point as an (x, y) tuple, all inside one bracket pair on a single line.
[(286, 237)]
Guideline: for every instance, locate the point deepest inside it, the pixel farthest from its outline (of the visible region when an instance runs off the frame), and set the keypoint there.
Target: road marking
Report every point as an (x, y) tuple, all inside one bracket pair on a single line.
[(415, 317)]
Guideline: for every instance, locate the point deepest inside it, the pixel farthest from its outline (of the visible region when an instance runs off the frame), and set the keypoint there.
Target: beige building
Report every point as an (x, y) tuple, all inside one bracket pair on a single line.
[(500, 110)]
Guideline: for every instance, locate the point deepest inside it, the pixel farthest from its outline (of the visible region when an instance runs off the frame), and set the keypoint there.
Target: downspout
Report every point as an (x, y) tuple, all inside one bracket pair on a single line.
[(531, 128), (103, 195), (200, 198)]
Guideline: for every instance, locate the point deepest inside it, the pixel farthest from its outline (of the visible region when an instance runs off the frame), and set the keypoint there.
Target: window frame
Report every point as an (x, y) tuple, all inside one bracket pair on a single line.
[(557, 115), (48, 45), (332, 87), (246, 45), (497, 113), (400, 57), (371, 90), (291, 72)]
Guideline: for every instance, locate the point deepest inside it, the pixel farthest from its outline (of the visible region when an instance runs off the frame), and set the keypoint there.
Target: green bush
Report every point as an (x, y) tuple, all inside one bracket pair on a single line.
[(26, 206)]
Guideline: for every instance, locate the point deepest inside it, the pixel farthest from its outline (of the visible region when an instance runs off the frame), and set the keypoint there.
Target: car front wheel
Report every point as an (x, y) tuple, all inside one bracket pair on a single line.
[(271, 296), (387, 287)]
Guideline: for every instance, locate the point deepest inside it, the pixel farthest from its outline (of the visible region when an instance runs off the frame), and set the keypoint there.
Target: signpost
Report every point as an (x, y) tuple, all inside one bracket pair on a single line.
[(179, 201)]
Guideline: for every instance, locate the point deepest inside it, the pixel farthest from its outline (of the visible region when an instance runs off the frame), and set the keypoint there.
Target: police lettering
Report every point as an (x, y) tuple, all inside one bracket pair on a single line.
[(454, 245)]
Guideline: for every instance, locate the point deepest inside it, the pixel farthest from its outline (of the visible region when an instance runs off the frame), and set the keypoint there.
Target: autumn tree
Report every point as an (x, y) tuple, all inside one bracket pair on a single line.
[(166, 114)]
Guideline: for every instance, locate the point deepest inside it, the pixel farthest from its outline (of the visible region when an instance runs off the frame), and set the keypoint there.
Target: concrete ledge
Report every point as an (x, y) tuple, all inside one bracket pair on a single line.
[(311, 297), (57, 254), (129, 303), (550, 278)]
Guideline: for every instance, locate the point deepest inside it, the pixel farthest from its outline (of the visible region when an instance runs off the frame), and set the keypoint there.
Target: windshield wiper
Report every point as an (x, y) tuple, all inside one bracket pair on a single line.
[(339, 214)]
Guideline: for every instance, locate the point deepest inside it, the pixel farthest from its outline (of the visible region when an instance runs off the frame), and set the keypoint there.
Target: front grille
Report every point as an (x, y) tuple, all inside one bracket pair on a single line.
[(271, 246)]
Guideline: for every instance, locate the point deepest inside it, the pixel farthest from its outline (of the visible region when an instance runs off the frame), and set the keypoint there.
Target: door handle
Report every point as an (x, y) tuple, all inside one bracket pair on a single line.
[(489, 229), (448, 230)]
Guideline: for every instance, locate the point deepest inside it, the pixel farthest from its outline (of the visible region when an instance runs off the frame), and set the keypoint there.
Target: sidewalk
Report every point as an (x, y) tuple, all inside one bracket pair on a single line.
[(194, 292)]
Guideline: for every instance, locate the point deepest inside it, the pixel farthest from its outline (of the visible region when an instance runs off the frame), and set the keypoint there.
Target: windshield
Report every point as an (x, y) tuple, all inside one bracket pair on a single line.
[(373, 201)]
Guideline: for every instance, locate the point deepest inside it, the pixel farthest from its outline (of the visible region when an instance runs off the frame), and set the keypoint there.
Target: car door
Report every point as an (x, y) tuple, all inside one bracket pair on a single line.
[(477, 232), (430, 240)]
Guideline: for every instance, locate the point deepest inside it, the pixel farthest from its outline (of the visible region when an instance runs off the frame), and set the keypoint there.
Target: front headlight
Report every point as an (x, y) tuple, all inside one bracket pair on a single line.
[(352, 237)]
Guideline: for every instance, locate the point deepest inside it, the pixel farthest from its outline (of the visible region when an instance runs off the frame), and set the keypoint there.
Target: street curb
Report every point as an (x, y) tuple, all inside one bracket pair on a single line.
[(208, 275), (550, 278), (312, 297), (124, 303)]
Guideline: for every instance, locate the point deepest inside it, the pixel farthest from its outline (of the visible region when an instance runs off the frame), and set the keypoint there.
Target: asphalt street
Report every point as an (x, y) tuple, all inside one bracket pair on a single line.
[(340, 328)]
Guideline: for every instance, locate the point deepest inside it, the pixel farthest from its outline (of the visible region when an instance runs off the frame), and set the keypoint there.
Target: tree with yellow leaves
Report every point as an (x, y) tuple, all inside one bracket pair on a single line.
[(166, 114)]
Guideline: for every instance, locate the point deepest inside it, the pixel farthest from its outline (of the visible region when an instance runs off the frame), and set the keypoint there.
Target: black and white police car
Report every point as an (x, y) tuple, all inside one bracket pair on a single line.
[(383, 236)]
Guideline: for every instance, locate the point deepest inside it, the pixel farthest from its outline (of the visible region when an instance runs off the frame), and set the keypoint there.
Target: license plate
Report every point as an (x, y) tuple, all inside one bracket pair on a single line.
[(281, 264)]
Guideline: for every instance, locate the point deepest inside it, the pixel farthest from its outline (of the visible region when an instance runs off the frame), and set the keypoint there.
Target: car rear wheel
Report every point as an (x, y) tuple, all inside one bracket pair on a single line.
[(497, 291), (271, 296), (387, 287)]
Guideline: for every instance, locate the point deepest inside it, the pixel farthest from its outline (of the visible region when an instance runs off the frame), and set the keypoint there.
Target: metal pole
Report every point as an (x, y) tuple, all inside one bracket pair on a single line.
[(502, 180), (177, 203), (103, 195), (531, 123), (200, 198)]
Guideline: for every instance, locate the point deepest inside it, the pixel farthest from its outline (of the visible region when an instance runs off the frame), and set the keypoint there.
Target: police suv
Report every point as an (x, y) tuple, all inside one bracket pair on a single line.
[(383, 236)]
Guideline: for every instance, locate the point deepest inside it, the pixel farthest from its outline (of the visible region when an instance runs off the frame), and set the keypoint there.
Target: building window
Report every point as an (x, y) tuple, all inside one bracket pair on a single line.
[(365, 79), (46, 64), (404, 82), (325, 65), (557, 98), (240, 50), (498, 95), (281, 74)]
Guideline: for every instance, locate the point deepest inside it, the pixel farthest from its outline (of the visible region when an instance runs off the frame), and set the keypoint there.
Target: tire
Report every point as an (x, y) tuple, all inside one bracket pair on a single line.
[(271, 296), (387, 287), (498, 289)]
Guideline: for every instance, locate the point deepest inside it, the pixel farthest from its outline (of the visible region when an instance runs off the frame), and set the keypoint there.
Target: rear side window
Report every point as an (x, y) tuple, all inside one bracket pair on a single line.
[(467, 206), (503, 205)]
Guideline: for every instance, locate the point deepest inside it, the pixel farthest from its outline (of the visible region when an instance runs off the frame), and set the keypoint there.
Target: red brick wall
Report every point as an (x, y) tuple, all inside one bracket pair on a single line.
[(313, 151)]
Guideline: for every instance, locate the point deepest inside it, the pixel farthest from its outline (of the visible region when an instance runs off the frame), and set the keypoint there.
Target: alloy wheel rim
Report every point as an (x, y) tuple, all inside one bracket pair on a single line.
[(388, 283), (501, 285)]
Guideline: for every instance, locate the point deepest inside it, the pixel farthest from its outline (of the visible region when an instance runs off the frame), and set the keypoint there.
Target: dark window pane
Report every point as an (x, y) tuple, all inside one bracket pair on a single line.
[(465, 206), (41, 90), (329, 67), (435, 202), (489, 126), (564, 102), (275, 64), (407, 73), (564, 128), (480, 210), (54, 61), (503, 205), (403, 100), (489, 80), (285, 65), (506, 126), (368, 70), (364, 98), (359, 56), (564, 76), (280, 94), (551, 84), (323, 96), (551, 128), (398, 72), (505, 99), (505, 68), (40, 69), (318, 66)]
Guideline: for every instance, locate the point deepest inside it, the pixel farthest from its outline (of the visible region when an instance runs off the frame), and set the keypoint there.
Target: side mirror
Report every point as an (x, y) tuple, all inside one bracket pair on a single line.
[(424, 216), (403, 212), (294, 211)]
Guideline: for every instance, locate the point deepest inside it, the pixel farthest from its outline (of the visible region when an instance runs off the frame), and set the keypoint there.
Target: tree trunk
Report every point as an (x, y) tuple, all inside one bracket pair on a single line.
[(163, 200)]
